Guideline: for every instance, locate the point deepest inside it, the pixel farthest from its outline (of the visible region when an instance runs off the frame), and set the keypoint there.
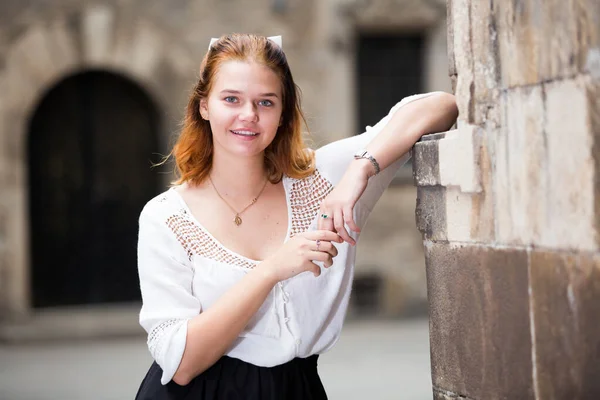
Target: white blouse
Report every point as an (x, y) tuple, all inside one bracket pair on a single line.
[(183, 269)]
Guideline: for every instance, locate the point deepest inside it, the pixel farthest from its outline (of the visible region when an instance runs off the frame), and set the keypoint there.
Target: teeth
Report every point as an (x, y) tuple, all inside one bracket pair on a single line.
[(245, 133)]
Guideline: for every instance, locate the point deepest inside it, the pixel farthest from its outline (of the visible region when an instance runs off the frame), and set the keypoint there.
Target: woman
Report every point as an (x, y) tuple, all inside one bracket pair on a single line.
[(246, 263)]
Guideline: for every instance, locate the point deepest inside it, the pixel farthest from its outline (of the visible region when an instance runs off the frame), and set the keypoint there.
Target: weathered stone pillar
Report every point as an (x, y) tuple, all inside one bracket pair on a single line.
[(509, 204)]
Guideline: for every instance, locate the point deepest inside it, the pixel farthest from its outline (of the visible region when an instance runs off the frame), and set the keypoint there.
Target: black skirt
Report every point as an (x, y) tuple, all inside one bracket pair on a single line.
[(233, 379)]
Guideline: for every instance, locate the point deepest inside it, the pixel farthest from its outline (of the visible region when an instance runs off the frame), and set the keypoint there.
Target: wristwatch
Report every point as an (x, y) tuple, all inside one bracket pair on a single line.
[(365, 154)]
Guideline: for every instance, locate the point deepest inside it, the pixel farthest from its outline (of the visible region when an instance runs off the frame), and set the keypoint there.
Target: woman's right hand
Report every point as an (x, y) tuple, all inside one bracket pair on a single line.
[(299, 253)]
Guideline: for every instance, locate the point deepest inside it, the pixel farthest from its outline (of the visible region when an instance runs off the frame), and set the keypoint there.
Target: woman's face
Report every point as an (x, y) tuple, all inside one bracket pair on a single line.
[(244, 108)]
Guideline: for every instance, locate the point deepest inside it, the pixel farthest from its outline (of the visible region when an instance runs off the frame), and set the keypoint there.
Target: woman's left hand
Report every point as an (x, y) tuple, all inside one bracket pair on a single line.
[(338, 206)]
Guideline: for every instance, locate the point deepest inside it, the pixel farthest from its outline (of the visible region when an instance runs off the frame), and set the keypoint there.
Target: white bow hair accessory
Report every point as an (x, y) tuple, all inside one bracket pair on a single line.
[(276, 39)]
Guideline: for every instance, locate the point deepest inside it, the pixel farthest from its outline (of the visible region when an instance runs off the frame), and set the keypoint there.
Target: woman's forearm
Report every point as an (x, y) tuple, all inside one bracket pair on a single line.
[(434, 113), (212, 332)]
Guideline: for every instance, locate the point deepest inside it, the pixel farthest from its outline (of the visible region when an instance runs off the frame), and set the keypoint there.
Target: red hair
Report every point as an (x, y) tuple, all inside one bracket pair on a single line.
[(286, 154)]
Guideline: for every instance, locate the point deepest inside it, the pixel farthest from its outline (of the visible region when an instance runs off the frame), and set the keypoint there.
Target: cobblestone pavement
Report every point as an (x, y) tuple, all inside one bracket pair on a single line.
[(373, 360)]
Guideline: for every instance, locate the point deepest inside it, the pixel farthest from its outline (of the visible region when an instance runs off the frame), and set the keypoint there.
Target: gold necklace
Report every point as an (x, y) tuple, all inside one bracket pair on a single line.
[(238, 220)]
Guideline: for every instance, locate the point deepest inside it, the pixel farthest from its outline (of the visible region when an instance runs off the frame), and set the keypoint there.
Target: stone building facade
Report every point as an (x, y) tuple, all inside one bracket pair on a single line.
[(509, 205), (52, 52)]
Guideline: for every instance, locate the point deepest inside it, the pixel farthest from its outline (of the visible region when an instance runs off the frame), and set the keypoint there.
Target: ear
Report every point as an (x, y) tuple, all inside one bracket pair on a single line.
[(204, 109)]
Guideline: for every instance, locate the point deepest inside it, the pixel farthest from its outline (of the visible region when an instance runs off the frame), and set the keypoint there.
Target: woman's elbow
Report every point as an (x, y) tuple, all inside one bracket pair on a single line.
[(448, 104), (181, 378), (186, 373)]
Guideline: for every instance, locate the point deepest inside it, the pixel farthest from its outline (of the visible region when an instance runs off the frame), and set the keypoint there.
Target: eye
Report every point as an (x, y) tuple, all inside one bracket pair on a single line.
[(231, 99), (266, 103)]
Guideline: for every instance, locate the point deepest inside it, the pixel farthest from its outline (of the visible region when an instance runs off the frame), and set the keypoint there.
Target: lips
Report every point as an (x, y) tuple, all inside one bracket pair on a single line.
[(244, 132)]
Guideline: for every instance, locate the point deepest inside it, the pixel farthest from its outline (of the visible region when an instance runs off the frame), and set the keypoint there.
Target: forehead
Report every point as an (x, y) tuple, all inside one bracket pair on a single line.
[(246, 77)]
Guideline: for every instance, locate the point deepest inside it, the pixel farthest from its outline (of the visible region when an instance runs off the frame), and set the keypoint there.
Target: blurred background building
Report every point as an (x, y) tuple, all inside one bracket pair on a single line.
[(92, 92)]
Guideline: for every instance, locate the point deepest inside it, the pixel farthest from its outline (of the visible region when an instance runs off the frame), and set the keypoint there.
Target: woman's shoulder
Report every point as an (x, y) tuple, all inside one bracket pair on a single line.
[(161, 205)]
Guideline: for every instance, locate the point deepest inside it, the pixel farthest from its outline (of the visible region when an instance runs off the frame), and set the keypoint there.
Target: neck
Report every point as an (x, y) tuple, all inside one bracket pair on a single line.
[(238, 177)]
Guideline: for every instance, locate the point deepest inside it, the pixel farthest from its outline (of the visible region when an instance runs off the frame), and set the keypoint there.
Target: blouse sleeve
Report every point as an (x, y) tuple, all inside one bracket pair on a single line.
[(166, 285), (333, 159)]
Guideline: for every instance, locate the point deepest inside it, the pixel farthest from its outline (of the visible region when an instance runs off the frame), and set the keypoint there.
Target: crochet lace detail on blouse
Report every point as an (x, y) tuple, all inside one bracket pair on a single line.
[(306, 196), (197, 241), (155, 341)]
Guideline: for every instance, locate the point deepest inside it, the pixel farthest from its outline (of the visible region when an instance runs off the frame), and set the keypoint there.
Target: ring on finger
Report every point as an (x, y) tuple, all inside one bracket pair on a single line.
[(318, 244), (324, 216)]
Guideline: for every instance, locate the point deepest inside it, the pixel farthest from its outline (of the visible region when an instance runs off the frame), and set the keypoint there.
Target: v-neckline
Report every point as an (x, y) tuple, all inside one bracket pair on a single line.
[(185, 206)]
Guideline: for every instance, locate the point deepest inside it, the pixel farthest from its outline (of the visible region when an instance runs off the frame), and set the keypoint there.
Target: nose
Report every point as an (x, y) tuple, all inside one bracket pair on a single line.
[(249, 113)]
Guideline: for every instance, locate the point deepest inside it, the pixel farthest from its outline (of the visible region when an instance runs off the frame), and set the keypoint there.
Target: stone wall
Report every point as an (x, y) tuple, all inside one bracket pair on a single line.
[(509, 205)]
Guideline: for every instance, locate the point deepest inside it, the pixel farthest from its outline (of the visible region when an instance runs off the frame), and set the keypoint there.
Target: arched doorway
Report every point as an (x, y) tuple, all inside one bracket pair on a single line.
[(91, 141)]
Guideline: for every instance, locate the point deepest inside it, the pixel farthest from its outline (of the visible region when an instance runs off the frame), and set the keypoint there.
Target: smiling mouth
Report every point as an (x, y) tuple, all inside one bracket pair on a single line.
[(244, 133)]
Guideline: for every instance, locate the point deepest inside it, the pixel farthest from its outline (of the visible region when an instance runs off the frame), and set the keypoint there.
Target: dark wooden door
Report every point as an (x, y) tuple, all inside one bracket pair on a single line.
[(91, 142), (389, 67)]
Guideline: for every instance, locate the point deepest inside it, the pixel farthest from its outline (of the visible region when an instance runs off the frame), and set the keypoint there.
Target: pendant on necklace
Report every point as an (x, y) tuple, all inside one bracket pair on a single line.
[(237, 220)]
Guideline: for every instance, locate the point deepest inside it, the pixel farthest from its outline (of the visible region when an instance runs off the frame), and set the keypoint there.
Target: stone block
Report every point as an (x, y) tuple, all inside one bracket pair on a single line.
[(587, 17), (565, 292), (479, 321), (473, 41), (97, 25), (431, 212), (450, 38), (519, 43), (3, 258), (459, 215), (593, 102), (571, 203), (21, 87), (426, 169), (558, 39), (443, 395), (545, 166), (463, 56), (544, 43), (457, 161), (521, 168), (485, 65), (458, 158), (465, 170)]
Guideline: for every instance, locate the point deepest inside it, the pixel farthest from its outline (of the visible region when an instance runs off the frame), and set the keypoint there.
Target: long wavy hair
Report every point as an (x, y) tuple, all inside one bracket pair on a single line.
[(286, 154)]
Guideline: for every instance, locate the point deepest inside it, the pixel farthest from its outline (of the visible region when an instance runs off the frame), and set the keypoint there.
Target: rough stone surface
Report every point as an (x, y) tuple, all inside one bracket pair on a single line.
[(460, 215), (463, 162), (426, 167), (570, 166), (479, 321), (97, 26), (593, 102), (515, 315), (485, 61), (544, 166), (439, 395), (521, 168), (410, 13), (536, 43), (462, 51), (461, 171), (431, 212), (565, 290), (450, 34)]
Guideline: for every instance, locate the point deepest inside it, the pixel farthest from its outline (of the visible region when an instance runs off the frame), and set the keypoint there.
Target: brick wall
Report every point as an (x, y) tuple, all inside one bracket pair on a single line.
[(509, 204)]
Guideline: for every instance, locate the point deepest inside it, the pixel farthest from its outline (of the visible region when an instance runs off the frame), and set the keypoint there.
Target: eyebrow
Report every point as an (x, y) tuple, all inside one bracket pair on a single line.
[(238, 92)]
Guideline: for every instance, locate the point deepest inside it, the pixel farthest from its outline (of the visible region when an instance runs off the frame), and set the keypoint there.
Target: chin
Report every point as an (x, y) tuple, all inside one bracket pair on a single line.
[(246, 152)]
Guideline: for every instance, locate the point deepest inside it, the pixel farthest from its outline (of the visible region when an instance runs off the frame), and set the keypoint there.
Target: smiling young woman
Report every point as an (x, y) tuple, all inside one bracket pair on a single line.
[(223, 255)]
